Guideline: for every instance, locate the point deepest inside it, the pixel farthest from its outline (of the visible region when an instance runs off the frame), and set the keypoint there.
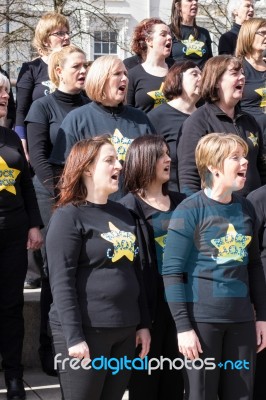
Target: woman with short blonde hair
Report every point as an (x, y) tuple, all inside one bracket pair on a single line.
[(213, 276)]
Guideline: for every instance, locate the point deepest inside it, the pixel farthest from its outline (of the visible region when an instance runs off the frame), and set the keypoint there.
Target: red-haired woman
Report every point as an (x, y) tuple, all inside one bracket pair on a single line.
[(92, 258), (151, 37)]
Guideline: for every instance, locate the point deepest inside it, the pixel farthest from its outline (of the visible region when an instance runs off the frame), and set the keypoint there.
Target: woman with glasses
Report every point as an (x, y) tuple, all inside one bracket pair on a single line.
[(52, 32), (250, 46), (222, 84)]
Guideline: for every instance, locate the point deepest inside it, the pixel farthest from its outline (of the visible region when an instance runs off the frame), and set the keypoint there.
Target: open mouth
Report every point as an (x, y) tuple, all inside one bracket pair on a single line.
[(168, 45), (239, 87), (122, 88), (115, 177), (81, 79), (167, 169), (242, 174), (3, 104)]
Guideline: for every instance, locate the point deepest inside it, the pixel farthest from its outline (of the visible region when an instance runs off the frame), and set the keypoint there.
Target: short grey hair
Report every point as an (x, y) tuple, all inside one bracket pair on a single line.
[(234, 5), (4, 81)]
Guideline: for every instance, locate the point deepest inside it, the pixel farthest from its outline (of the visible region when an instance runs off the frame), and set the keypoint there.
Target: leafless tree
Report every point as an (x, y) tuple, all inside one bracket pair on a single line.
[(18, 19)]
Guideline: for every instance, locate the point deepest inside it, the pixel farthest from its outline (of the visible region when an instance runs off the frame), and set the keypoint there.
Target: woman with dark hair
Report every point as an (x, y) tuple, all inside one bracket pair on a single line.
[(189, 40), (213, 276), (251, 45), (106, 85), (222, 84), (67, 72), (151, 37), (181, 90), (146, 174), (93, 265), (20, 221)]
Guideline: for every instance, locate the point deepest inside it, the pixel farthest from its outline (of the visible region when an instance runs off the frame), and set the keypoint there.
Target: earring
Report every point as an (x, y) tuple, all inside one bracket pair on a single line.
[(217, 174)]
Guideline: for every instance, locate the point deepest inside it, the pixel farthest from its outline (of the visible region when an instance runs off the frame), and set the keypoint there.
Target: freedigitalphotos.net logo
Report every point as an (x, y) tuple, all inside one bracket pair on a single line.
[(124, 363)]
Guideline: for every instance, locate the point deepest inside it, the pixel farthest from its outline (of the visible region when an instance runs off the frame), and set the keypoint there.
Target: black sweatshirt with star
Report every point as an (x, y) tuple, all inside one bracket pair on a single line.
[(212, 268), (18, 204), (208, 119), (94, 270), (123, 123), (198, 50), (144, 90)]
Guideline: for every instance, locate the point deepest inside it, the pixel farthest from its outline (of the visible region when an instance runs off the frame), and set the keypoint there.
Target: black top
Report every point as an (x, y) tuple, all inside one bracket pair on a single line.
[(197, 50), (152, 227), (167, 121), (18, 204), (210, 118), (144, 89), (132, 61), (92, 259), (123, 123), (212, 268), (11, 108), (33, 82), (227, 41), (257, 198), (43, 121), (254, 95)]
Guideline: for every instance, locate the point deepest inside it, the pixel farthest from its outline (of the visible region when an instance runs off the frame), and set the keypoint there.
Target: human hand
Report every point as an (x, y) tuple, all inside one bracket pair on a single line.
[(35, 239), (261, 335), (80, 350), (143, 337), (189, 344)]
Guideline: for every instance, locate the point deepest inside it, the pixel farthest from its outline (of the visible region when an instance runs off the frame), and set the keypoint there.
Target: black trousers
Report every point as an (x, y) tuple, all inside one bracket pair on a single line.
[(260, 384), (232, 341), (160, 384), (82, 384), (45, 203), (13, 268)]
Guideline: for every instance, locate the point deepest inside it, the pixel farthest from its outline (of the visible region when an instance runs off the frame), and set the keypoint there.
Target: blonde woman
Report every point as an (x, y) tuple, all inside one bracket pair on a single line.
[(214, 278), (67, 71)]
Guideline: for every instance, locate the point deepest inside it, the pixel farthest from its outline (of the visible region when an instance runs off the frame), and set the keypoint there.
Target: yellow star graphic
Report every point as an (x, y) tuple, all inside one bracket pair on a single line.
[(231, 246), (158, 96), (253, 139), (262, 93), (8, 177), (124, 243), (121, 144), (161, 240), (193, 46)]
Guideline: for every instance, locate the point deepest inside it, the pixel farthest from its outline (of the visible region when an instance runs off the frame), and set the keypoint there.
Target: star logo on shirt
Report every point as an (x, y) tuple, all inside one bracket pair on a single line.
[(161, 240), (193, 46), (232, 246), (253, 139), (124, 243), (121, 144), (262, 93), (158, 96), (8, 177)]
